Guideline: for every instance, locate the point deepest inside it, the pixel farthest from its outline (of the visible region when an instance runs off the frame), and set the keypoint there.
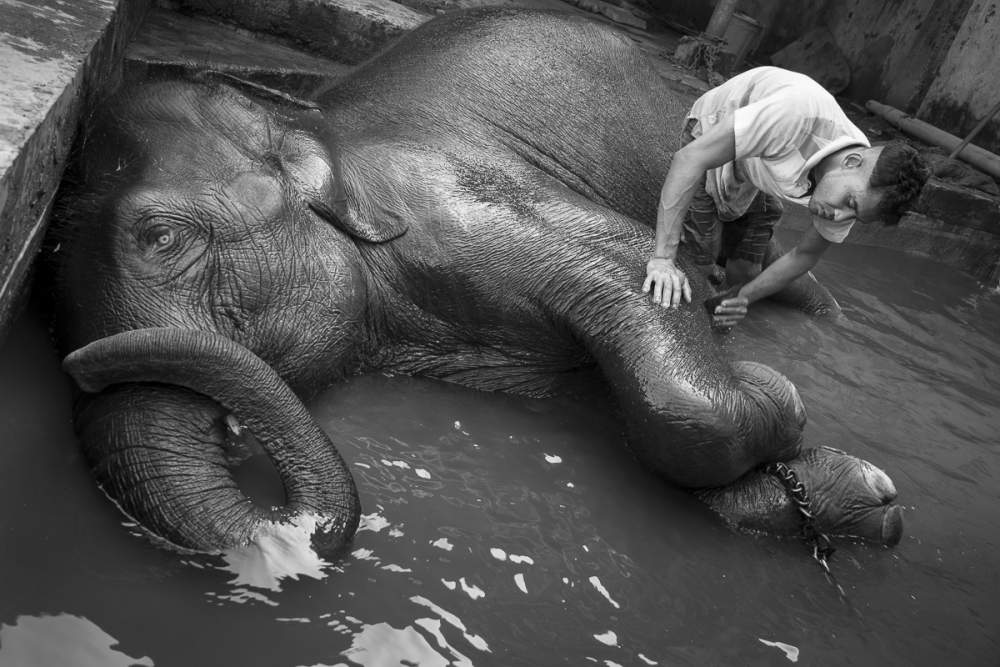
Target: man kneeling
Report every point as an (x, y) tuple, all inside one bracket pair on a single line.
[(765, 137)]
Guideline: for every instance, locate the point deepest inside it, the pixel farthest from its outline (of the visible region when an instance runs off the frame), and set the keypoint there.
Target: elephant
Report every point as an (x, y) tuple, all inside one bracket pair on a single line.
[(473, 205)]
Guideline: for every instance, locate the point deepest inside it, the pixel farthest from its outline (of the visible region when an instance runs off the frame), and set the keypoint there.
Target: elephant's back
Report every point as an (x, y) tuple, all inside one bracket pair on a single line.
[(568, 94)]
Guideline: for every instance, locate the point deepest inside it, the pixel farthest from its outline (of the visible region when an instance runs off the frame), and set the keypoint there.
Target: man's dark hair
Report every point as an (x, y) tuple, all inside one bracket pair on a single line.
[(899, 174)]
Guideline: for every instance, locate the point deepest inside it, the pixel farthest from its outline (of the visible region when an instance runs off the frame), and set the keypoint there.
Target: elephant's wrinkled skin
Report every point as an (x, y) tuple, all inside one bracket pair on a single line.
[(472, 205)]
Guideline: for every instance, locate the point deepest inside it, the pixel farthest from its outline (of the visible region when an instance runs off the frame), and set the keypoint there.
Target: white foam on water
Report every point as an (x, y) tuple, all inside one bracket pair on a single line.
[(609, 638), (374, 522), (596, 583), (381, 644), (453, 620), (242, 595), (442, 543), (433, 626), (791, 652), (474, 592), (391, 567), (61, 639)]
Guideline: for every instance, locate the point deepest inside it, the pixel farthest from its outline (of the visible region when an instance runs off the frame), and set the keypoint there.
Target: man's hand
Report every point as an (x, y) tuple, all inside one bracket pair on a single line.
[(730, 312), (668, 282), (728, 308)]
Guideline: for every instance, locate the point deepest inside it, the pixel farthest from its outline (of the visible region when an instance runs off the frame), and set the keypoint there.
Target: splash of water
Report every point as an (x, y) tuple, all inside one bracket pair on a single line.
[(279, 551)]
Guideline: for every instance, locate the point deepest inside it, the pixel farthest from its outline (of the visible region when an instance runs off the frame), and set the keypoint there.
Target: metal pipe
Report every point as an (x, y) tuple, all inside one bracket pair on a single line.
[(978, 157)]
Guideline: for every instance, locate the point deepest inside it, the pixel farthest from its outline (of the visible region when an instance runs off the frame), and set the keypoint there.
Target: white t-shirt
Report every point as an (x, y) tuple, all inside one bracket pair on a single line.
[(784, 124)]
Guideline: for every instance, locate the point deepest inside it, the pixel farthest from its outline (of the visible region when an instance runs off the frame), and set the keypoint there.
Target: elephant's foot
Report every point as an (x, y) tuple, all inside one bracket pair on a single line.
[(846, 496)]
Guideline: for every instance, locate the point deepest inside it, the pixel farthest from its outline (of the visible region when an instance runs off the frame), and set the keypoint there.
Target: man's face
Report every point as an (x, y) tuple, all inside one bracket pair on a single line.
[(842, 192)]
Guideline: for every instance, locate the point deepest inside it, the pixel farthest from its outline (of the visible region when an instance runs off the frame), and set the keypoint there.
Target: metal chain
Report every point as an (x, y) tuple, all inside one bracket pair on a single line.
[(822, 548)]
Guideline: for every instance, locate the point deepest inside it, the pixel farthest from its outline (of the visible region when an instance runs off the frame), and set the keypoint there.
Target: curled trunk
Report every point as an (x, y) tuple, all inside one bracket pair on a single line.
[(154, 436)]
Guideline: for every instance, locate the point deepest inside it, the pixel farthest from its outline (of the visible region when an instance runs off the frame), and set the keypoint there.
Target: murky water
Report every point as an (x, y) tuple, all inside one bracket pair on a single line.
[(507, 531)]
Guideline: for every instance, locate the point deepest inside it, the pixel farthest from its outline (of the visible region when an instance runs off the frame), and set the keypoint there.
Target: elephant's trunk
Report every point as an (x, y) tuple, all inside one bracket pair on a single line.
[(155, 448)]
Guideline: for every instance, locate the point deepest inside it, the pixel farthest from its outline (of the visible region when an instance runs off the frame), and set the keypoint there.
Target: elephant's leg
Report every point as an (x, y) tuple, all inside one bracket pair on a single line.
[(693, 417), (703, 423)]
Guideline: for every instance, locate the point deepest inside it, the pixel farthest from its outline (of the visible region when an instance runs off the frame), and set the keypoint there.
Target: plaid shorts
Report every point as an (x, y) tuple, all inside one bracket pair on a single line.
[(711, 241)]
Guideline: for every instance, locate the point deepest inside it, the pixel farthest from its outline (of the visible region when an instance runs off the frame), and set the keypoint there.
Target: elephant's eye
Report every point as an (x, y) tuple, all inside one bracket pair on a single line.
[(158, 237)]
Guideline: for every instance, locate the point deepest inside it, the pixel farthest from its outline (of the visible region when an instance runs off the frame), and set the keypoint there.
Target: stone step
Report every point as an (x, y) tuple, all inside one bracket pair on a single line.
[(169, 40), (964, 206), (348, 31), (54, 56)]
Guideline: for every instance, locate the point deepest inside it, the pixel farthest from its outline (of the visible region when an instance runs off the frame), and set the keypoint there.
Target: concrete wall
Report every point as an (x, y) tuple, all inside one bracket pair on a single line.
[(52, 56), (936, 59), (693, 14), (894, 47), (967, 85)]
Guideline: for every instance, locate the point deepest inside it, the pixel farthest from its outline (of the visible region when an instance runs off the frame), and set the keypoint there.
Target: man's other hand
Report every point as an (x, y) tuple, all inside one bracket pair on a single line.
[(667, 281), (729, 312)]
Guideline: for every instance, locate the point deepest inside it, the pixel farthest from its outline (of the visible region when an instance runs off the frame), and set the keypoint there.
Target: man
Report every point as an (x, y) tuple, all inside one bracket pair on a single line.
[(767, 136)]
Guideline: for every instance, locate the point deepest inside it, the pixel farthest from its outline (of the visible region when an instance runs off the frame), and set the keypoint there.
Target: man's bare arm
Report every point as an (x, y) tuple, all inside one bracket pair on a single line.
[(773, 279), (787, 268), (712, 149)]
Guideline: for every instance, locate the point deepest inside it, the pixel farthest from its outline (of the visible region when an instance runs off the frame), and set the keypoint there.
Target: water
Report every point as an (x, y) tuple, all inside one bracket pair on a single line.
[(509, 531)]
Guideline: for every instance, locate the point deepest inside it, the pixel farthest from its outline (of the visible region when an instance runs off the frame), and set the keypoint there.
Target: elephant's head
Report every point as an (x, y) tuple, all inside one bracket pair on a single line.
[(194, 208)]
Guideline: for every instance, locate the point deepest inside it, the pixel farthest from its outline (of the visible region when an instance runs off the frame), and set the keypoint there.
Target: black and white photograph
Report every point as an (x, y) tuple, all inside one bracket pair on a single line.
[(474, 333)]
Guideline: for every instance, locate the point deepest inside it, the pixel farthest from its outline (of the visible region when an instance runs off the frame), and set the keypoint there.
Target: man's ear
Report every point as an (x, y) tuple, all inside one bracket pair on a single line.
[(853, 160)]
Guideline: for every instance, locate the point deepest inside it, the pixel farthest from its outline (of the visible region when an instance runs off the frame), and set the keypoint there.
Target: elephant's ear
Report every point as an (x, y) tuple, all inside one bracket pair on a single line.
[(373, 214), (345, 217)]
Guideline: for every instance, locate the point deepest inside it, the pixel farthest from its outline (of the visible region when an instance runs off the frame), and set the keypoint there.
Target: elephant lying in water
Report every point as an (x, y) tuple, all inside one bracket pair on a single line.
[(469, 206)]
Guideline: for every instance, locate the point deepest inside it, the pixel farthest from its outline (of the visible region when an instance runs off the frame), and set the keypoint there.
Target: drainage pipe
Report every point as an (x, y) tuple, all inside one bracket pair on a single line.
[(720, 18), (978, 157)]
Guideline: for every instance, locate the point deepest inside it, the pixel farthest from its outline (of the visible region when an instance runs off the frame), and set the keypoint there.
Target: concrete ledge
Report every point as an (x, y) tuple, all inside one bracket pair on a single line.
[(348, 31), (947, 201), (54, 55), (168, 40), (612, 11)]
